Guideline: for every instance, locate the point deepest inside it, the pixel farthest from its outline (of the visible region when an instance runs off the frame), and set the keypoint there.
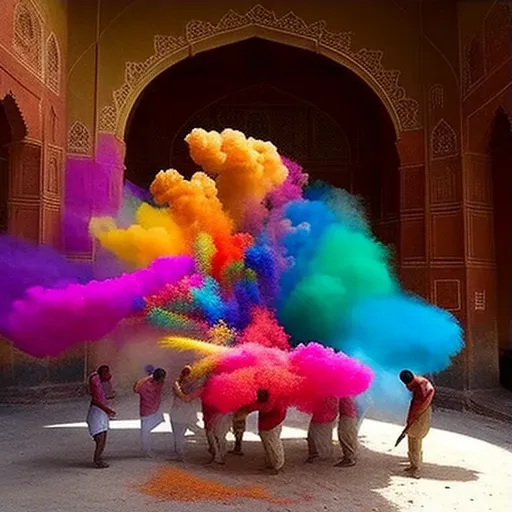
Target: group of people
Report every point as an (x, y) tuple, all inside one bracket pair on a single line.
[(271, 417)]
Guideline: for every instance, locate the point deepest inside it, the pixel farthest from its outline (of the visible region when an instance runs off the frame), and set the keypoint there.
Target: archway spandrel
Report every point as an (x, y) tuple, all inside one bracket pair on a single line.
[(288, 29)]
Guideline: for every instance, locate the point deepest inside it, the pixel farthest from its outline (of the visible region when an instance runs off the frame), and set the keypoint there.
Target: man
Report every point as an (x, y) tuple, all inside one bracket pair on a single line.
[(183, 410), (149, 390), (99, 413), (418, 418), (271, 418), (216, 427), (347, 432), (320, 429), (239, 427)]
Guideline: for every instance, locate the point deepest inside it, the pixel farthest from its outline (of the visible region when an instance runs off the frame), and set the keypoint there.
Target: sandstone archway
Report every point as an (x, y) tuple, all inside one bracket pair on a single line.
[(262, 23), (317, 113)]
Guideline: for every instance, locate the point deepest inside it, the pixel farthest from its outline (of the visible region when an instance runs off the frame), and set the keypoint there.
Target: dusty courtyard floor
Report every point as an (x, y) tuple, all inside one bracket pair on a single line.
[(468, 466)]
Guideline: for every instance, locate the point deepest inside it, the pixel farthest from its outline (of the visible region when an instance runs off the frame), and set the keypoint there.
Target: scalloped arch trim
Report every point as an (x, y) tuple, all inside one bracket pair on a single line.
[(365, 62)]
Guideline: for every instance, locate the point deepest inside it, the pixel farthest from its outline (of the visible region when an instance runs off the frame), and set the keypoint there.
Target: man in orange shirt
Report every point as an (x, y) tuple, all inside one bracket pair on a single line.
[(418, 418), (150, 393)]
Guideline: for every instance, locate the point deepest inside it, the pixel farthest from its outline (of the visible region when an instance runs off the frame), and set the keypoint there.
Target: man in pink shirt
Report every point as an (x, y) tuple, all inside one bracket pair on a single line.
[(320, 429), (150, 393), (348, 431), (99, 412)]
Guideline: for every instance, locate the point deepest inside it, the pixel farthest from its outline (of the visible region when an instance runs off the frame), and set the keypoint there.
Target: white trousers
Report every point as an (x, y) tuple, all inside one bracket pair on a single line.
[(273, 446), (216, 437), (320, 440), (178, 435), (147, 424)]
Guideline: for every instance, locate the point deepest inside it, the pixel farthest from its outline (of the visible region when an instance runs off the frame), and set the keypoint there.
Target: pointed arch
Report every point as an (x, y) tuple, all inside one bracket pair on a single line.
[(28, 35), (53, 64)]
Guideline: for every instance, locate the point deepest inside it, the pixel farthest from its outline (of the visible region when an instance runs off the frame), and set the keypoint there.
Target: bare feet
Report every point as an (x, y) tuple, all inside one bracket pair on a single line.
[(100, 464), (345, 463), (412, 472)]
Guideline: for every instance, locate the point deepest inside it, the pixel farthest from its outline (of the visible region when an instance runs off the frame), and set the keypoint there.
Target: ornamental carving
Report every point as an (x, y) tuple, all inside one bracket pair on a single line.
[(79, 139), (368, 61), (436, 97), (443, 140), (53, 64), (28, 36), (497, 28)]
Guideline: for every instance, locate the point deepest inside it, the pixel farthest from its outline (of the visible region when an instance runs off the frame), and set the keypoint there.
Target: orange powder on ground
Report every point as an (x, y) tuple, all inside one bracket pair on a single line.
[(172, 484)]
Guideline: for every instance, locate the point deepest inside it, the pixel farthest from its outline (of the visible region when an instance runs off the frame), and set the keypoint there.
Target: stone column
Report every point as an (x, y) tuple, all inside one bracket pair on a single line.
[(413, 228)]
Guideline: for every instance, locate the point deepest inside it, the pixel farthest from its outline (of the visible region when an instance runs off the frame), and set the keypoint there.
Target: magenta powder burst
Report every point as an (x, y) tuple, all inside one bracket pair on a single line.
[(300, 378), (48, 321)]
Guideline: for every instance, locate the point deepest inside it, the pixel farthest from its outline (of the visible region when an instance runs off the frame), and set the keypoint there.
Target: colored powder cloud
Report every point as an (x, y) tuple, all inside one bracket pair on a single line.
[(264, 330), (25, 266), (153, 235), (246, 169), (194, 203), (47, 321), (345, 267), (403, 332)]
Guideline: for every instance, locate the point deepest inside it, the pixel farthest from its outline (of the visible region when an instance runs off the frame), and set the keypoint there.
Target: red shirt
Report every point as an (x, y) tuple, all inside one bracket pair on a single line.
[(347, 407), (271, 418), (422, 394), (96, 390), (150, 392), (325, 411)]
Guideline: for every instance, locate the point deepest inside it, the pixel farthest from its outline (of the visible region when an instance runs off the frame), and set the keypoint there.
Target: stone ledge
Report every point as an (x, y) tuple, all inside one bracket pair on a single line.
[(492, 403)]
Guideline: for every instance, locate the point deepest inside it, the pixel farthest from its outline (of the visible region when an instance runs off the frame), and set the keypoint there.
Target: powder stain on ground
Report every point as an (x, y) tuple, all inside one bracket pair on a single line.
[(172, 484)]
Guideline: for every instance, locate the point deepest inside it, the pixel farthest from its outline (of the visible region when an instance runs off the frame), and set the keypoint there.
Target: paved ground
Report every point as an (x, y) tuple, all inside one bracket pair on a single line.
[(468, 467)]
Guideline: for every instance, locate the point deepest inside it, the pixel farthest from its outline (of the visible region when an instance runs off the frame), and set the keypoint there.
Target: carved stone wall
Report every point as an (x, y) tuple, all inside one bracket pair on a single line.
[(32, 56), (487, 87)]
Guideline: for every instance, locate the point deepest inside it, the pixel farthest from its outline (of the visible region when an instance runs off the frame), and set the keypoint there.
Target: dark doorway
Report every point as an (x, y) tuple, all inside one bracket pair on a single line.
[(314, 110), (5, 140), (12, 129), (501, 161)]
